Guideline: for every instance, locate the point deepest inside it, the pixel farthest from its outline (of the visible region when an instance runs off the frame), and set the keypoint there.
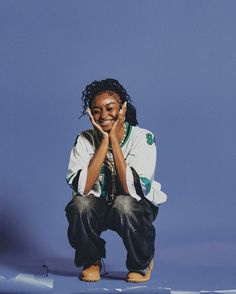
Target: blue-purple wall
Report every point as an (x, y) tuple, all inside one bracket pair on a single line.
[(177, 60)]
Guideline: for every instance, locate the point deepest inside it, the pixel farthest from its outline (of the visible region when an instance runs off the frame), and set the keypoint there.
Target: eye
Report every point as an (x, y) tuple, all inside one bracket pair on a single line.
[(96, 111), (110, 108)]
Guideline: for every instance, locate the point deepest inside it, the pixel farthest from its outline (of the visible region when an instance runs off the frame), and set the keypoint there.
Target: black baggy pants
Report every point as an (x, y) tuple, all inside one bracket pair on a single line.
[(89, 216)]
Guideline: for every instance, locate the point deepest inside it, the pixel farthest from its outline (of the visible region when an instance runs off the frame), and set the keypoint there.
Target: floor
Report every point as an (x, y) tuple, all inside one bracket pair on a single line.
[(60, 276)]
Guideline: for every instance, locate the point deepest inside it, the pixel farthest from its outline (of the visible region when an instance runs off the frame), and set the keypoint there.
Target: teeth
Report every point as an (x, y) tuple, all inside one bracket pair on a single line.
[(106, 122)]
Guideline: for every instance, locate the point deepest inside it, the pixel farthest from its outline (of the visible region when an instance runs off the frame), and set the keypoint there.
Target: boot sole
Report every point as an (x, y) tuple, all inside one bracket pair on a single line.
[(138, 281), (89, 280), (145, 279)]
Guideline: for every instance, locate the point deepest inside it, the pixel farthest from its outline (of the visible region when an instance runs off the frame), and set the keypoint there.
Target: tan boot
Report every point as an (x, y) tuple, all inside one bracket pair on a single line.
[(134, 277), (91, 273)]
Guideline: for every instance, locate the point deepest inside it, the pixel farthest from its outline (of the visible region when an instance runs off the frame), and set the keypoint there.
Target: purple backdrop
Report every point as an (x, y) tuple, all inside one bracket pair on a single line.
[(177, 60)]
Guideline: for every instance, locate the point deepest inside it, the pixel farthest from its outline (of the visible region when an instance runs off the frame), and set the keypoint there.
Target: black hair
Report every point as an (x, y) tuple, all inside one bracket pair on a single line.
[(109, 86)]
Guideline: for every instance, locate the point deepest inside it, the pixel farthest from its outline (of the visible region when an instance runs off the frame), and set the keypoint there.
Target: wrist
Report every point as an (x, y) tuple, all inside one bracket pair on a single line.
[(105, 140), (113, 140)]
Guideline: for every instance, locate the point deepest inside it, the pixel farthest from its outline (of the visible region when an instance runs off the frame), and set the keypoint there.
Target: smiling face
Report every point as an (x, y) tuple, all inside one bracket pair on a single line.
[(105, 109)]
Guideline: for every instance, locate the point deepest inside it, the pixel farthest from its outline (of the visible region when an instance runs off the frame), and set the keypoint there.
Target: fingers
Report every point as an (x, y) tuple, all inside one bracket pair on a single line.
[(124, 106), (123, 112), (88, 110), (89, 113)]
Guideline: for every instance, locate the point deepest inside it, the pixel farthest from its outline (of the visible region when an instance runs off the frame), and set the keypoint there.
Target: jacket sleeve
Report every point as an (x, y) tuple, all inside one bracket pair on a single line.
[(78, 166), (141, 165)]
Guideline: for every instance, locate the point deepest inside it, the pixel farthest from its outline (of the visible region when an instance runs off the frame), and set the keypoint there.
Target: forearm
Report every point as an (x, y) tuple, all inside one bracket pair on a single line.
[(95, 165), (120, 164)]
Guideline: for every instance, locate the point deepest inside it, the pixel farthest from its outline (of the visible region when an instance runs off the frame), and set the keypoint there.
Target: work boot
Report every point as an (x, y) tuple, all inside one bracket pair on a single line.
[(137, 277), (91, 273)]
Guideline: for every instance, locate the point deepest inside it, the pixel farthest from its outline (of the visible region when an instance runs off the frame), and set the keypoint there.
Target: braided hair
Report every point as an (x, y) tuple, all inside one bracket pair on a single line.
[(109, 86)]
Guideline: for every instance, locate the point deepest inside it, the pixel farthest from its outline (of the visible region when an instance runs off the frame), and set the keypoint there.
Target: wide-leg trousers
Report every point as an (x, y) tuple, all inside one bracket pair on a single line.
[(89, 216)]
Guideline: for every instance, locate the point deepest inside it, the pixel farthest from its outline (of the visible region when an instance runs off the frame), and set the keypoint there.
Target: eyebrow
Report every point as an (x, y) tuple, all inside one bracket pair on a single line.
[(105, 104)]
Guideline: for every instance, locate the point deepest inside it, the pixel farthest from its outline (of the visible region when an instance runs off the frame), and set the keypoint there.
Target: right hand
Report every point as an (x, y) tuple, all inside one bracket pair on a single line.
[(96, 125)]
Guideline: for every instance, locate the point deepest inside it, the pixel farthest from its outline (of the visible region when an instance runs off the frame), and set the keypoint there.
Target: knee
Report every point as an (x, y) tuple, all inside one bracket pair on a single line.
[(80, 205), (125, 205)]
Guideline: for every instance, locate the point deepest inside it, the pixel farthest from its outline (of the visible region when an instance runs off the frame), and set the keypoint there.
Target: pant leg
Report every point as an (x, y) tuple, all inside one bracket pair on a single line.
[(86, 222), (132, 220)]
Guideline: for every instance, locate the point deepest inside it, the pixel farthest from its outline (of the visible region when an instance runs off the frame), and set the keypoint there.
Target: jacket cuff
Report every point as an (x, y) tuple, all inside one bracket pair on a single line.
[(78, 181)]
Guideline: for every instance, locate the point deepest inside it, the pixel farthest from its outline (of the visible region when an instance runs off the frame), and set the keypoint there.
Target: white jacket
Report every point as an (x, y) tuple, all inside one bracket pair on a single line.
[(139, 151)]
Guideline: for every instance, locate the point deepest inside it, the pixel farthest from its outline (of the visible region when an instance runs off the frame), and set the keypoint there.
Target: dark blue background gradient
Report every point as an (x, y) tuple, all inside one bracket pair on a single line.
[(177, 60)]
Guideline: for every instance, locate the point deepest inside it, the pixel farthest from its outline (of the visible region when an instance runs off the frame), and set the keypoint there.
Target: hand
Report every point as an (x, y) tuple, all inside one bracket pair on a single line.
[(96, 125), (117, 126)]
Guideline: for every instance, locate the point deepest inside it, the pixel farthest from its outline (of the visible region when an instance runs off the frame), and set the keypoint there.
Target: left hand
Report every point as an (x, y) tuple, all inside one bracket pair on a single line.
[(117, 126)]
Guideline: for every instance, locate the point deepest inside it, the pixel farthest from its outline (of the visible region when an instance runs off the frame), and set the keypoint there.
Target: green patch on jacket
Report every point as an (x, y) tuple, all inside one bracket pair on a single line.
[(147, 183), (150, 138)]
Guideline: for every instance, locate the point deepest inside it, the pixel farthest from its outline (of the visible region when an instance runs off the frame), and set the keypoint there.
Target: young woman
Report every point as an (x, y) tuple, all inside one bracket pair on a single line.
[(111, 173)]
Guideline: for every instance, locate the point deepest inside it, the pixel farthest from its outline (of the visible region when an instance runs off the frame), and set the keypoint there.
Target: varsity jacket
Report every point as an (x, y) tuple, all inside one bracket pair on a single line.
[(139, 149)]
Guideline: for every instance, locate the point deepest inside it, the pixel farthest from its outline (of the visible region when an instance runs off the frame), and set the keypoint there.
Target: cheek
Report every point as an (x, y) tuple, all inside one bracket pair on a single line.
[(96, 117), (115, 112)]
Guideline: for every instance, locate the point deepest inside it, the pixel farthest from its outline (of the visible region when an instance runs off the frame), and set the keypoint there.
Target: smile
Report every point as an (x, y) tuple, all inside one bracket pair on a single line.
[(105, 122)]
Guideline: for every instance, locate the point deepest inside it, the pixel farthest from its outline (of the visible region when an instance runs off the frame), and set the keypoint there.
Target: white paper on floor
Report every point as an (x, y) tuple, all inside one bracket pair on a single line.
[(26, 283)]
